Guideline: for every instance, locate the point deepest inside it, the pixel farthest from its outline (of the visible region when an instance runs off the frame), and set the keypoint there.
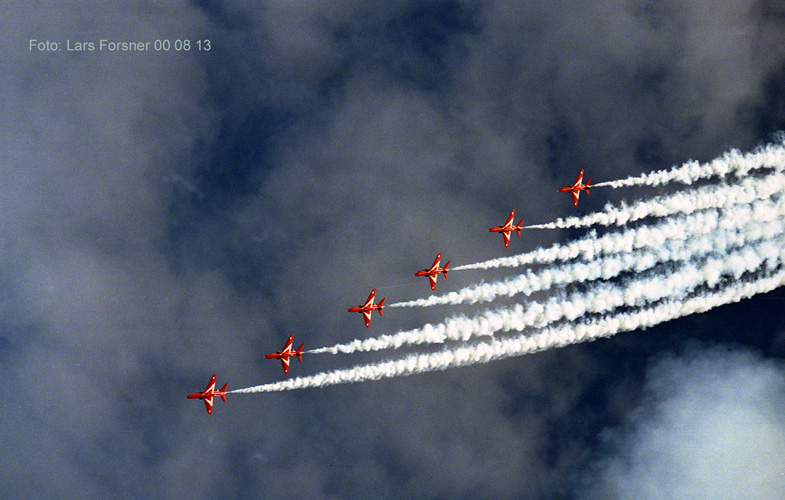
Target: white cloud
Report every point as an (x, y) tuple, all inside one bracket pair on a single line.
[(712, 425)]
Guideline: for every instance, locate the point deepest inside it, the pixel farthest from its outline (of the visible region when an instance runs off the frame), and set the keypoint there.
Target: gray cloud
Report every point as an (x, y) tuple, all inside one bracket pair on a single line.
[(168, 216)]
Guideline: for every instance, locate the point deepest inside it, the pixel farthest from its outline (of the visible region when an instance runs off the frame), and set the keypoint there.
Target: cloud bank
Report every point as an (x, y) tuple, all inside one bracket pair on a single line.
[(165, 217), (712, 425)]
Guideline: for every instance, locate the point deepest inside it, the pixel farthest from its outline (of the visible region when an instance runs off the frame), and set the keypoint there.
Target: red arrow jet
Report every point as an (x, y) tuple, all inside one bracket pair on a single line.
[(433, 271), (576, 188), (287, 353), (368, 308), (507, 228), (208, 394)]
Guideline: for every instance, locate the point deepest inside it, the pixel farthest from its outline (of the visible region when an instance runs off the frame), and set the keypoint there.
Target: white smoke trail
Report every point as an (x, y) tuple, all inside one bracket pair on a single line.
[(684, 202), (702, 231), (547, 338), (599, 299), (590, 246), (731, 162), (695, 280), (659, 243)]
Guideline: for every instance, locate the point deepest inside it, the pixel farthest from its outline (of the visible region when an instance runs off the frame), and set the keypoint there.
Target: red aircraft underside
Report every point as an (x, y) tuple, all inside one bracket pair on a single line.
[(576, 188), (368, 308), (287, 353), (433, 271), (507, 228), (209, 393)]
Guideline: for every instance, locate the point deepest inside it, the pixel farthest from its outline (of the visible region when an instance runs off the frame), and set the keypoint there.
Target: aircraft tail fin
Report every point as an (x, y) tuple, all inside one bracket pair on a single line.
[(381, 306), (299, 352), (588, 185), (444, 269)]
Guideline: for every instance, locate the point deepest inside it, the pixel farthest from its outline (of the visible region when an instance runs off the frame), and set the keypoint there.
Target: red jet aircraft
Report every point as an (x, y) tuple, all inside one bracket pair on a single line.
[(368, 308), (507, 228), (208, 394), (576, 188), (287, 353), (434, 271)]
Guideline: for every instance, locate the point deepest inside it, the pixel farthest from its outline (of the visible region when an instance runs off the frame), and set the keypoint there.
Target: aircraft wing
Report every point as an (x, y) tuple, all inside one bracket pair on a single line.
[(436, 261), (208, 404), (285, 364), (580, 178), (288, 345), (367, 316), (506, 235), (370, 298), (509, 219), (575, 195), (432, 277), (211, 384)]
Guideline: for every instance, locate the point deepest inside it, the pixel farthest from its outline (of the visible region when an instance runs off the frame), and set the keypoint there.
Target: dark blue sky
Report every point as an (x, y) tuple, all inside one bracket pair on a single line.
[(170, 215)]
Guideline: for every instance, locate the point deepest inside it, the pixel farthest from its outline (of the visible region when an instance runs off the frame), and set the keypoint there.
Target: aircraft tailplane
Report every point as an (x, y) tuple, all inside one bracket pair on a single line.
[(223, 392)]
